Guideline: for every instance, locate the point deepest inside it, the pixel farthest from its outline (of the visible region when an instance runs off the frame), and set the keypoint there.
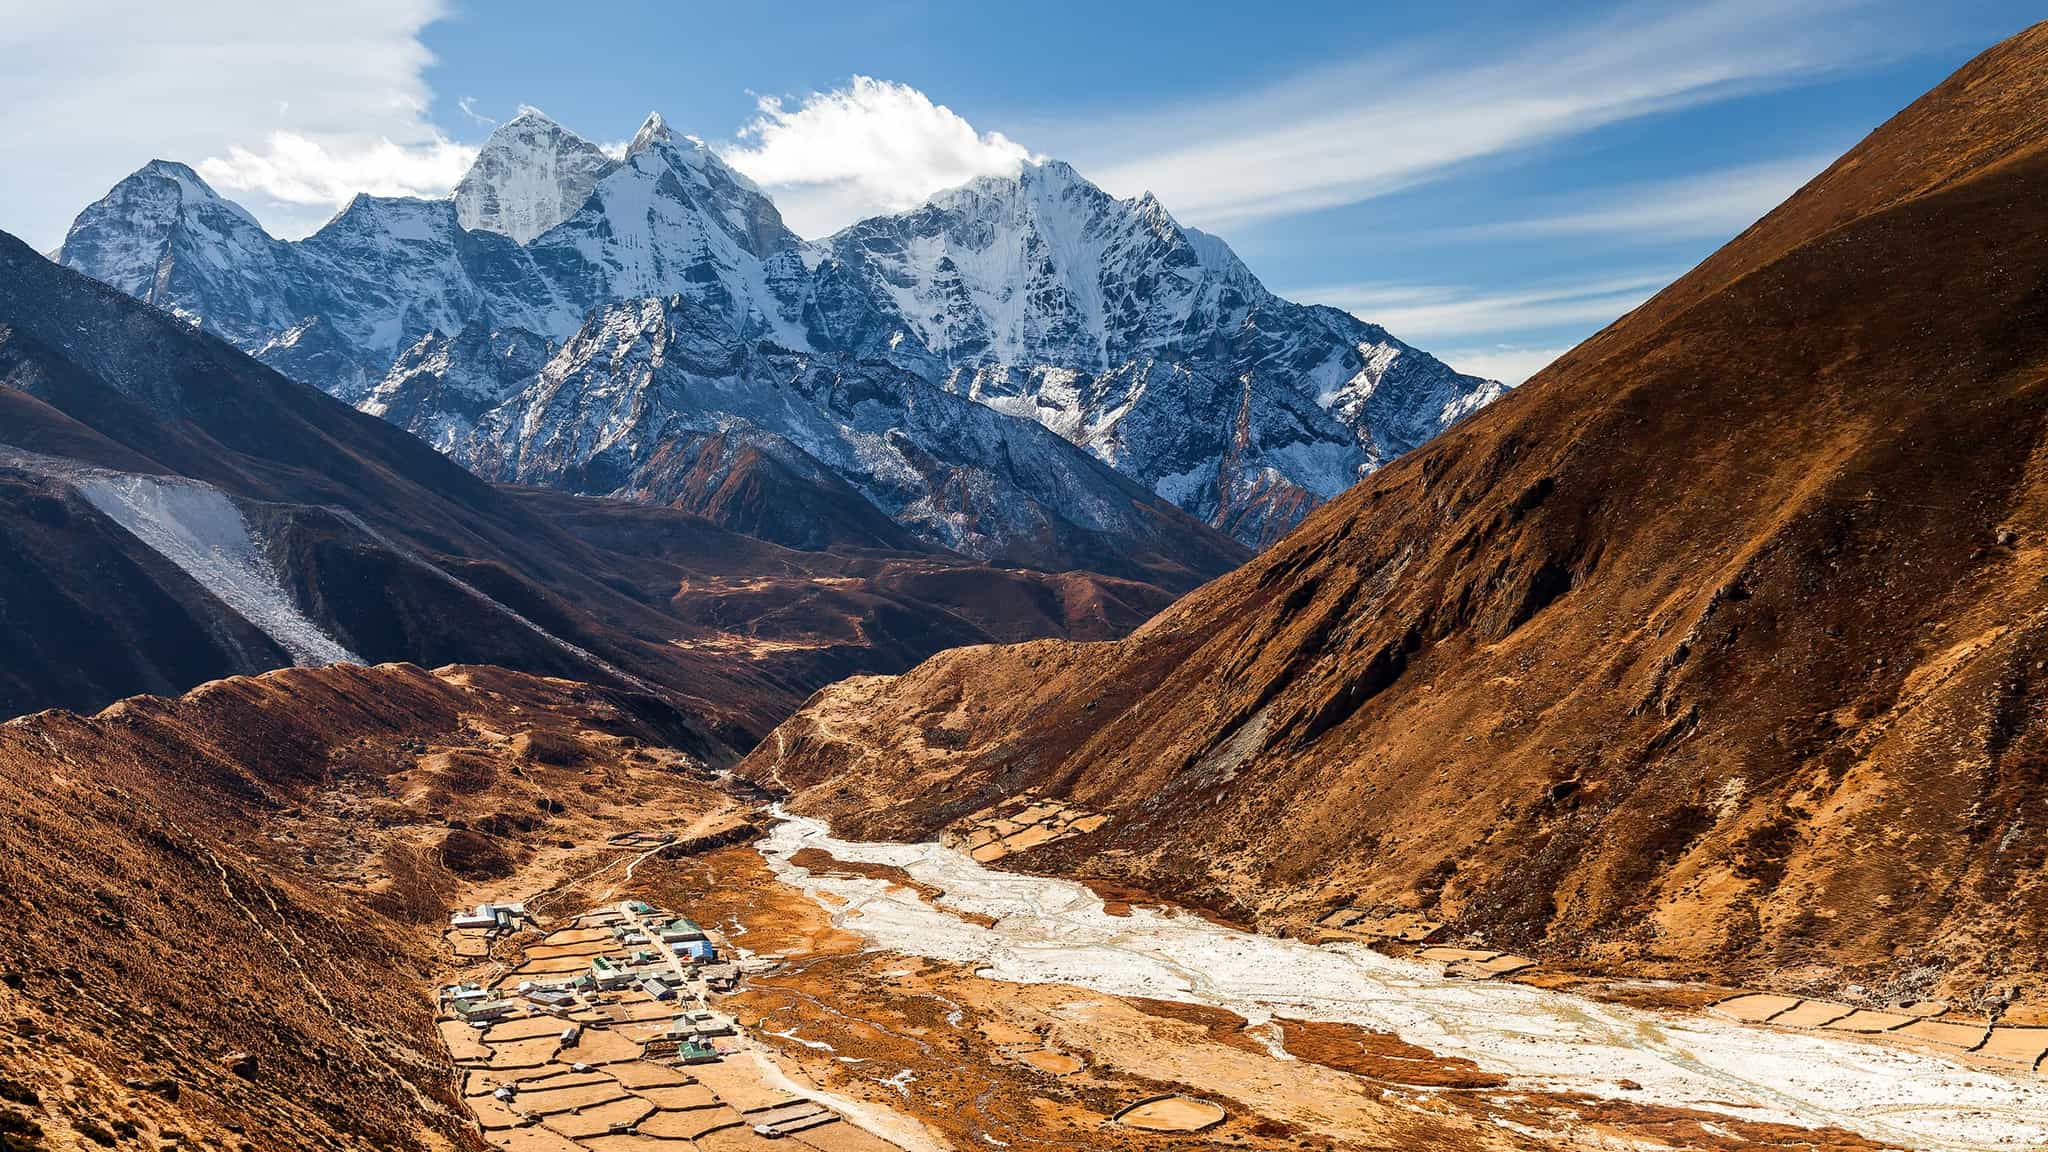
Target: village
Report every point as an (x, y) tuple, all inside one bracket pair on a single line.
[(630, 1025), (601, 1032)]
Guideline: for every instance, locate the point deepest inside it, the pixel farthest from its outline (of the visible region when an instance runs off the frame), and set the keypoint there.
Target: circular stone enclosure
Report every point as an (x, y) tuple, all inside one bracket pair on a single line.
[(1171, 1114)]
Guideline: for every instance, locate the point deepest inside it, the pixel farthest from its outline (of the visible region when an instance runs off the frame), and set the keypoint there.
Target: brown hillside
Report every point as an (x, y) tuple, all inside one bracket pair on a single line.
[(1718, 648), (220, 914)]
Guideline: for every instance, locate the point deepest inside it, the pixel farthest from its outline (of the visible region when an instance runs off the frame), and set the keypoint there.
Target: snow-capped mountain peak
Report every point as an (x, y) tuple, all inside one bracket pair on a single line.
[(671, 219), (191, 188), (1036, 294), (530, 175), (155, 198), (653, 130), (1151, 345), (1043, 267), (164, 236)]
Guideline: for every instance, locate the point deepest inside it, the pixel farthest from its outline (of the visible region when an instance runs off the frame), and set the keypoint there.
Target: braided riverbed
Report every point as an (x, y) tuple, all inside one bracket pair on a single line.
[(1048, 931)]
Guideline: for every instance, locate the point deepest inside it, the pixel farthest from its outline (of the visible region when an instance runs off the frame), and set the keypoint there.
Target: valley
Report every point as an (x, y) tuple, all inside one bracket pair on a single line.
[(911, 995), (564, 663), (878, 995), (1712, 654), (1503, 1051)]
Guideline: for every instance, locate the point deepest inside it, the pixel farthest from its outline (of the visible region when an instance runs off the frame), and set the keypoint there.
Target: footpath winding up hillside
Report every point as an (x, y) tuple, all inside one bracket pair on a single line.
[(1715, 649)]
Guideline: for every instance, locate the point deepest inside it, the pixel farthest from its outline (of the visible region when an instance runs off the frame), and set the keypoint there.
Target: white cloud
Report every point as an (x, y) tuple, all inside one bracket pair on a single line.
[(1715, 204), (872, 147), (1400, 118), (290, 106), (467, 105), (1506, 363), (1431, 313), (300, 170)]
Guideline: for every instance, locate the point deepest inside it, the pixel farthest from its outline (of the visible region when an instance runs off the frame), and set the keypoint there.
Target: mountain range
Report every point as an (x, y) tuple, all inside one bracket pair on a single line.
[(1024, 370), (172, 511)]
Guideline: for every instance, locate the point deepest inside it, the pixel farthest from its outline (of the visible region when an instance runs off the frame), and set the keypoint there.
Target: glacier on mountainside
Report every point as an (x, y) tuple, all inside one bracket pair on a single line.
[(198, 528)]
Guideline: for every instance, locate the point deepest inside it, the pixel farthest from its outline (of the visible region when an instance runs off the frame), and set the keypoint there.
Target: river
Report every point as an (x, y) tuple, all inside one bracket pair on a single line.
[(1057, 932)]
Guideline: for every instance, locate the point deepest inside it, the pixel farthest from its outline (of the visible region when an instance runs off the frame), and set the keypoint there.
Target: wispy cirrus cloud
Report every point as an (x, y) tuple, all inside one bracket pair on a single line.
[(1501, 335), (1709, 205), (1403, 118), (467, 106), (1511, 333), (1441, 313), (1507, 363)]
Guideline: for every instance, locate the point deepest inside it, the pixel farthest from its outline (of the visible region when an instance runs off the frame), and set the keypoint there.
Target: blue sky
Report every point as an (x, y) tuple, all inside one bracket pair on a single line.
[(1492, 181)]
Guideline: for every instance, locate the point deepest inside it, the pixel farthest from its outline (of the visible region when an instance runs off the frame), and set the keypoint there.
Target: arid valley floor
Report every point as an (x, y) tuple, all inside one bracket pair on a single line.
[(806, 992), (908, 997)]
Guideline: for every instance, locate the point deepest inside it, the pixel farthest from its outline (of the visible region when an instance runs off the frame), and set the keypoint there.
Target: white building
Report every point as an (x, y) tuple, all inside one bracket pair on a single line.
[(489, 916)]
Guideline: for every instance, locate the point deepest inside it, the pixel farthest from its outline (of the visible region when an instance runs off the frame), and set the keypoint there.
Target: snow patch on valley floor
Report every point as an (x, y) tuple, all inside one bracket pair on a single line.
[(1053, 931), (196, 527)]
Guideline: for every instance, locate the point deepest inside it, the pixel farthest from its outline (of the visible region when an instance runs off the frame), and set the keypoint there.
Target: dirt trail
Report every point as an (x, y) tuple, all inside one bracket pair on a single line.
[(632, 867), (367, 1045)]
